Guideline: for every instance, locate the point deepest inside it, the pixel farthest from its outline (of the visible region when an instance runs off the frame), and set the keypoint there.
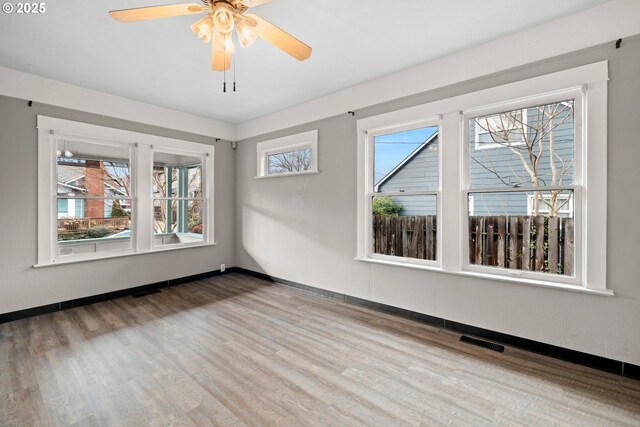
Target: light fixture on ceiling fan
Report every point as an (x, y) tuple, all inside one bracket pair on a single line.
[(222, 17)]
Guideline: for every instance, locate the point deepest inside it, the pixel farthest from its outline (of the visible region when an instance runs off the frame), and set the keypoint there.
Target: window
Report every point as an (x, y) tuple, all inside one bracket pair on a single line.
[(290, 161), (178, 203), (500, 130), (290, 155), (521, 211), (93, 196), (559, 204), (106, 192), (520, 191), (404, 196)]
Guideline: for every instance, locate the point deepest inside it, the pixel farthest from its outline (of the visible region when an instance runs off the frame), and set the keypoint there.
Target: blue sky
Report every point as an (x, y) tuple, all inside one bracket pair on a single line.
[(393, 148)]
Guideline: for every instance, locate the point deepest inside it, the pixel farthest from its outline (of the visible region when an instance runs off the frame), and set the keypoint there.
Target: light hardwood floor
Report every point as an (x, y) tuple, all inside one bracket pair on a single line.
[(234, 350)]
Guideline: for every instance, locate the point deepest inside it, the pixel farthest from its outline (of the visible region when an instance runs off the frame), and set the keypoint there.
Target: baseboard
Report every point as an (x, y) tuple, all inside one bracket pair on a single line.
[(573, 356), (29, 312), (64, 305), (631, 371)]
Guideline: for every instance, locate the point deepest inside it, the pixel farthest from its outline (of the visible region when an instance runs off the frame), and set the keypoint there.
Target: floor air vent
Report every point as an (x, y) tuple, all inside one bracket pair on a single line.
[(481, 343), (145, 293)]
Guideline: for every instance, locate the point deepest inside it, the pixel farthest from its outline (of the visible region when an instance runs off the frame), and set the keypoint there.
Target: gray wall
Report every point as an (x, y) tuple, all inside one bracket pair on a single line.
[(304, 228), (22, 286)]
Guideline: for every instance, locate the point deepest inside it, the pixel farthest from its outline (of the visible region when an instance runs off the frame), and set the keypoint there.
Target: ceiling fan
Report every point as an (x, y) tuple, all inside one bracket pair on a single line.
[(222, 17)]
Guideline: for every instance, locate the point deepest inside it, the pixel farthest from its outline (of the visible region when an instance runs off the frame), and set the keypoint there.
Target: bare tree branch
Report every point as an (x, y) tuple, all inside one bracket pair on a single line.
[(531, 142)]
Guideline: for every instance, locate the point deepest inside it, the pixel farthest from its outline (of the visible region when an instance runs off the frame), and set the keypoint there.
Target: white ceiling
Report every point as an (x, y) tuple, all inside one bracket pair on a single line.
[(161, 62)]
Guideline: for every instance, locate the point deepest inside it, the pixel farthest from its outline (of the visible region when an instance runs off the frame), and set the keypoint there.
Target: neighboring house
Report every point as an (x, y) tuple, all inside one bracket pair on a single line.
[(417, 172), (491, 165), (71, 183)]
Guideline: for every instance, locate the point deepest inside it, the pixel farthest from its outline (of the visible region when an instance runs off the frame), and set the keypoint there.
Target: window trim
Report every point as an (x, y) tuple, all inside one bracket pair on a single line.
[(591, 80), (286, 144), (141, 164)]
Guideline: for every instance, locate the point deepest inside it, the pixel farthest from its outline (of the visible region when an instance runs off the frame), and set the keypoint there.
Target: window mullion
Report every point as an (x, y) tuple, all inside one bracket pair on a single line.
[(168, 173), (450, 202), (143, 211), (182, 204)]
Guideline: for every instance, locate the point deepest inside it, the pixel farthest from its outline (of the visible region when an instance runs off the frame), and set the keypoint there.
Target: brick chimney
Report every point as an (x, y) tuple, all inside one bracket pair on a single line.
[(94, 183)]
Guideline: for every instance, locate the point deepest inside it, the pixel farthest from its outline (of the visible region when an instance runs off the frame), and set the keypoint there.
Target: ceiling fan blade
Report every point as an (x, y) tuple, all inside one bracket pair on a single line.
[(153, 12), (278, 37), (254, 3), (220, 59)]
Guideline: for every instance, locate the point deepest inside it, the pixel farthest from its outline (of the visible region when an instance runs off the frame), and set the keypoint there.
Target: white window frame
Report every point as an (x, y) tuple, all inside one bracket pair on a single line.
[(577, 94), (489, 145), (141, 147), (56, 140), (204, 183), (588, 85), (287, 144), (370, 190), (567, 209)]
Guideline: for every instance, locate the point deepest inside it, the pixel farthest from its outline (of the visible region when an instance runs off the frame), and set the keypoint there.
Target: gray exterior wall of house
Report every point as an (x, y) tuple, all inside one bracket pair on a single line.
[(490, 166), (420, 173)]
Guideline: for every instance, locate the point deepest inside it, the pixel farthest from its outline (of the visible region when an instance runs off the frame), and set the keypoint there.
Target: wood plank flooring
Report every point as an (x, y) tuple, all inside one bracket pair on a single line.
[(234, 350)]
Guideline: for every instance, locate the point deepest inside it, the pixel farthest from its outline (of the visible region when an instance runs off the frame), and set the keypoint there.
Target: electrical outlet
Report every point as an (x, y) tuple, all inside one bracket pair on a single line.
[(222, 268)]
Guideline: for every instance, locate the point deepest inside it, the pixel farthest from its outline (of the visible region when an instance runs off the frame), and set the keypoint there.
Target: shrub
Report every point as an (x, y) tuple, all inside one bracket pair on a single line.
[(98, 232), (385, 206), (194, 220), (117, 211), (197, 229)]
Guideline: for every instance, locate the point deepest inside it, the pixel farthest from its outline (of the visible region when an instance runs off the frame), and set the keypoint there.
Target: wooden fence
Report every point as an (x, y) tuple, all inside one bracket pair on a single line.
[(70, 225), (531, 243), (405, 236)]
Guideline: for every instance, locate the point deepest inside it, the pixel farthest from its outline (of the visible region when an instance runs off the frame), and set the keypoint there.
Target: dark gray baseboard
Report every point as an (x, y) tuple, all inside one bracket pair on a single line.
[(578, 357)]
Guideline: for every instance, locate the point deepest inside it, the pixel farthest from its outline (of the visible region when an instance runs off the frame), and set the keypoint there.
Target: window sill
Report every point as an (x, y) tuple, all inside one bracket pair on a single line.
[(495, 277), (121, 255), (283, 175), (92, 241)]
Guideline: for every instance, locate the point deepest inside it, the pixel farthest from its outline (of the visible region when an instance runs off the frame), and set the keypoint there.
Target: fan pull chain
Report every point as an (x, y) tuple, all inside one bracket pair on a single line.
[(234, 73), (224, 71)]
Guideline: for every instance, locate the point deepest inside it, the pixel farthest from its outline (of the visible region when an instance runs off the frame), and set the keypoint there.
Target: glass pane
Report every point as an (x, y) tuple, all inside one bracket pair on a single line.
[(290, 161), (406, 161), (524, 230), (82, 219), (85, 169), (178, 216), (194, 181), (523, 148), (177, 176), (405, 226)]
